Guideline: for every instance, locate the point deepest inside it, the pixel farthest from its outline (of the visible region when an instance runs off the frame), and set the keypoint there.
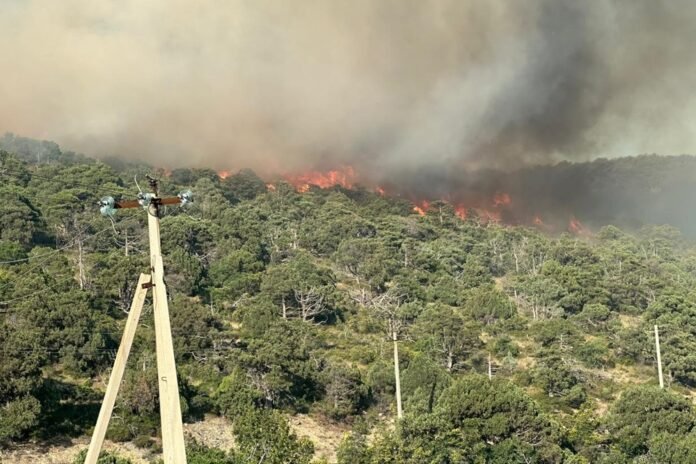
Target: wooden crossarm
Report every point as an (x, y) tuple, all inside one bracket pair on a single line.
[(134, 203)]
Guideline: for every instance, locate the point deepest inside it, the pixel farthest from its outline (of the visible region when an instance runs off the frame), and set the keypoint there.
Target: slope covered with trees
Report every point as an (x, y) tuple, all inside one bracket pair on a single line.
[(513, 345)]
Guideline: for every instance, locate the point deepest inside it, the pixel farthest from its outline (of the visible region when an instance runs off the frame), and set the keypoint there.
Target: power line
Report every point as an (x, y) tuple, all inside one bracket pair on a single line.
[(57, 250), (38, 292), (35, 174), (65, 247), (16, 277), (72, 184)]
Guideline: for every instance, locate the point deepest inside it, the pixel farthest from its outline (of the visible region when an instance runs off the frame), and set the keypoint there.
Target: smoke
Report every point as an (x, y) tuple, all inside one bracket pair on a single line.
[(389, 86)]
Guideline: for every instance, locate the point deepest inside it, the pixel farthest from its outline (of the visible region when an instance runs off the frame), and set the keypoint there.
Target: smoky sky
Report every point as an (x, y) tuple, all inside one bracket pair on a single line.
[(389, 86)]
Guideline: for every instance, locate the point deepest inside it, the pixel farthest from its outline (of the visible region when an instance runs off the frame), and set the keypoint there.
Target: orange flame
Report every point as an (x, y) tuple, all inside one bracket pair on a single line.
[(501, 199), (345, 177), (461, 211), (486, 210), (576, 227), (421, 207), (487, 215)]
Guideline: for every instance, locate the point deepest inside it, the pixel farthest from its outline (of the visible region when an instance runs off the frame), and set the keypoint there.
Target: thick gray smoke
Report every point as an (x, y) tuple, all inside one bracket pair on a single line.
[(389, 86)]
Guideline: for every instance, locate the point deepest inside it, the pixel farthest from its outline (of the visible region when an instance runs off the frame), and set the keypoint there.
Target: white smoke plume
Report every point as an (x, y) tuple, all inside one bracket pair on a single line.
[(389, 86)]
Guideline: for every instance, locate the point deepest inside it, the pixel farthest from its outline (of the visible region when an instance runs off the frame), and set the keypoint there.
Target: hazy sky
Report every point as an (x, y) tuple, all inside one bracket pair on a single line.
[(386, 85)]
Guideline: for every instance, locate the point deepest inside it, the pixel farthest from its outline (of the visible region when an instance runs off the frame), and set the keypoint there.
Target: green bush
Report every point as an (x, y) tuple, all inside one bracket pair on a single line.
[(104, 458)]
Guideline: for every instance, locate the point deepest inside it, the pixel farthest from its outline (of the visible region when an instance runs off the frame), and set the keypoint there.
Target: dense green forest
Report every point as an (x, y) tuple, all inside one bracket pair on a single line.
[(515, 346)]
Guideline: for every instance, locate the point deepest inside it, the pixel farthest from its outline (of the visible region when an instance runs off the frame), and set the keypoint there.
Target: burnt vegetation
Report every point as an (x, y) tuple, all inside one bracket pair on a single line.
[(286, 303)]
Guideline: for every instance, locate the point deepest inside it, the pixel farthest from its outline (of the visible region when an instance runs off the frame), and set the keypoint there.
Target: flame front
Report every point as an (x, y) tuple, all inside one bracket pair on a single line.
[(345, 177), (498, 208), (501, 199), (421, 207), (576, 227)]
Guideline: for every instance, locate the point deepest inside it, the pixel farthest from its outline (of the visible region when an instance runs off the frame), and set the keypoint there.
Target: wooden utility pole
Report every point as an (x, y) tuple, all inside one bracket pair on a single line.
[(173, 448), (107, 406), (659, 357), (397, 376)]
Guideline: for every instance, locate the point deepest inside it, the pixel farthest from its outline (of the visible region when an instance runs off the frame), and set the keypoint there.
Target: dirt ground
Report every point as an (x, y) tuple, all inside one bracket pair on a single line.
[(325, 436), (213, 431)]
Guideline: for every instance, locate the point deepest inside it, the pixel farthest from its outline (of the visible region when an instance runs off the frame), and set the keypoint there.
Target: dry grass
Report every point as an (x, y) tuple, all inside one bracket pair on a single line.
[(325, 436), (213, 432), (44, 453)]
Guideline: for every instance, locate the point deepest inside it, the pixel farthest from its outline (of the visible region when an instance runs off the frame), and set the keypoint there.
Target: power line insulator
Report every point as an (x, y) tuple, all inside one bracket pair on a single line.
[(144, 199), (186, 197), (107, 206)]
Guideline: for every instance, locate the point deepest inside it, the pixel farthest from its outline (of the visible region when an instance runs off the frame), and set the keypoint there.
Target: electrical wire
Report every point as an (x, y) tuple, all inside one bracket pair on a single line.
[(38, 292), (58, 250), (175, 331), (37, 264), (35, 174), (72, 184), (50, 253)]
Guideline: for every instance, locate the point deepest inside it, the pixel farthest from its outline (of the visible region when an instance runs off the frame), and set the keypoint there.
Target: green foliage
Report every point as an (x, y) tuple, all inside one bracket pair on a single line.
[(488, 305), (20, 379), (264, 435), (474, 419), (285, 302), (104, 458), (277, 358), (643, 414), (20, 220), (234, 395), (244, 185), (557, 379), (344, 392), (197, 453), (447, 335), (17, 416)]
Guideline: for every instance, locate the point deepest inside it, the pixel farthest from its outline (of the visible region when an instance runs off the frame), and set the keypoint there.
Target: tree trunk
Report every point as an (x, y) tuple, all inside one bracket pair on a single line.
[(285, 309), (399, 410)]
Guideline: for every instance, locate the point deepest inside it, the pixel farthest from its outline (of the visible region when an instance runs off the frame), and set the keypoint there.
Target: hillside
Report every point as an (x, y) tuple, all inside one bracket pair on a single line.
[(516, 344)]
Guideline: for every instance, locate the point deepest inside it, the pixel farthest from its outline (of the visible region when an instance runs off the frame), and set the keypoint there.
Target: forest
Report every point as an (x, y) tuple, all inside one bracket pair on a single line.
[(515, 345)]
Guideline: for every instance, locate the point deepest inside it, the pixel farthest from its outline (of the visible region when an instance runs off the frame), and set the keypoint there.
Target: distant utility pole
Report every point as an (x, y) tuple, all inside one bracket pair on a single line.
[(173, 448), (397, 375), (659, 357)]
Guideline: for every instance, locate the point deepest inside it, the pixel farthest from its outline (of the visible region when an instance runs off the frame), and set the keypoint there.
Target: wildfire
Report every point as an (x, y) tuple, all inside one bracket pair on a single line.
[(345, 177), (461, 211), (421, 207), (576, 227), (501, 199), (487, 215), (497, 208)]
